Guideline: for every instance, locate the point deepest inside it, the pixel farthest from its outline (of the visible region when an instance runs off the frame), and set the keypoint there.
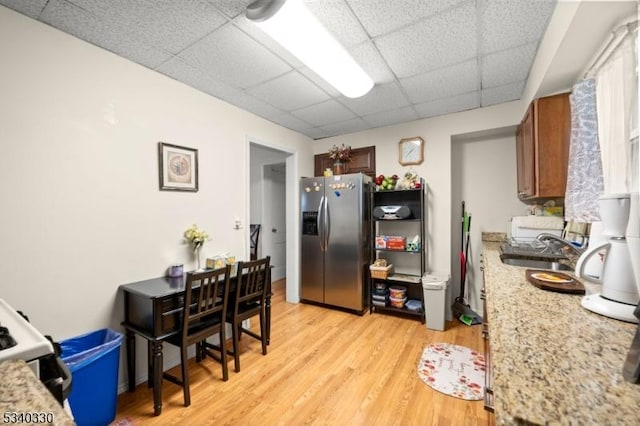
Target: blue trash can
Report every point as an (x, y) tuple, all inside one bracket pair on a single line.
[(93, 360)]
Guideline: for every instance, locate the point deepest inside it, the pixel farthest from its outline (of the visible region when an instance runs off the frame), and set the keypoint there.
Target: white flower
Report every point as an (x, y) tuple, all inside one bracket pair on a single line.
[(196, 236)]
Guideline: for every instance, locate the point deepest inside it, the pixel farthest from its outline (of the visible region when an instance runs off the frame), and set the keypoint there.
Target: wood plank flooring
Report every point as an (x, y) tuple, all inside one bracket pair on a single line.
[(323, 367)]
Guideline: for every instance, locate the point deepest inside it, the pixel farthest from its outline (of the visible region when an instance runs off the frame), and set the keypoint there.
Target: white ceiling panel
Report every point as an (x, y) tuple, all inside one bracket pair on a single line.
[(507, 66), (427, 58), (454, 104), (338, 19), (383, 16), (31, 8), (372, 62), (442, 83), (500, 94), (323, 114), (381, 98), (290, 122), (289, 91), (231, 8), (387, 118), (84, 25), (442, 40), (162, 23), (510, 23), (194, 77), (230, 55), (348, 126)]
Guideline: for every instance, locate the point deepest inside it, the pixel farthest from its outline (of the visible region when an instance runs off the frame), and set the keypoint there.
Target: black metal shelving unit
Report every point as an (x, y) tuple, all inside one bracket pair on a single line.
[(415, 200)]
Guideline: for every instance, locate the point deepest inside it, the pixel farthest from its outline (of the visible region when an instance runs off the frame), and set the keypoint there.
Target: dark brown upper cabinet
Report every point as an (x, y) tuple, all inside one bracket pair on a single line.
[(362, 160)]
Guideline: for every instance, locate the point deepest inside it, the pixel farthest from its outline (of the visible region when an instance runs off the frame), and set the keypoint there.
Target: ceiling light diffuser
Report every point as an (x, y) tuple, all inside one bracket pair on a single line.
[(294, 27)]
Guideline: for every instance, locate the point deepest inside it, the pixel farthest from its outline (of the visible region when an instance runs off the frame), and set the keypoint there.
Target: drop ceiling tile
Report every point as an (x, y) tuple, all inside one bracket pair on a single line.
[(86, 26), (289, 91), (343, 127), (249, 103), (442, 83), (188, 74), (445, 39), (290, 122), (315, 133), (338, 19), (320, 82), (506, 93), (388, 118), (166, 24), (194, 77), (230, 55), (325, 113), (368, 57), (381, 98), (231, 8), (446, 106), (31, 8), (510, 23), (507, 66), (383, 16)]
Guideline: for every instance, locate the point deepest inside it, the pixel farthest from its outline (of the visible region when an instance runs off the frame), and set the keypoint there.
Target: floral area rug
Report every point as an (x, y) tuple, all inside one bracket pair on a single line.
[(125, 421), (453, 370)]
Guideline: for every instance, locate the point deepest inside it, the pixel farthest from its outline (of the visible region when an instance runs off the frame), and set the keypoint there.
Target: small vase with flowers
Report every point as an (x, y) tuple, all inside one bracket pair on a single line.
[(340, 155)]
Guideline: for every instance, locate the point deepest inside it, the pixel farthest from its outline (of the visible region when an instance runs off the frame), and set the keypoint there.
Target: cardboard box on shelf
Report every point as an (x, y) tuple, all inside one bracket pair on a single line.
[(396, 243)]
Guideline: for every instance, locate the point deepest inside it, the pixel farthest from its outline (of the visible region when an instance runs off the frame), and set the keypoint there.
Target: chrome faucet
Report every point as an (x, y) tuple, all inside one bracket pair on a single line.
[(557, 241)]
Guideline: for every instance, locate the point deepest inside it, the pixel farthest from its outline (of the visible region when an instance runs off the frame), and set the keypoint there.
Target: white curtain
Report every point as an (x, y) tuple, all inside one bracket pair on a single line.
[(614, 97)]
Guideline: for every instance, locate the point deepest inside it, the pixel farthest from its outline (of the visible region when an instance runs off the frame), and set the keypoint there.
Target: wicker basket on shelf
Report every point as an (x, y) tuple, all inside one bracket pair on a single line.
[(381, 272)]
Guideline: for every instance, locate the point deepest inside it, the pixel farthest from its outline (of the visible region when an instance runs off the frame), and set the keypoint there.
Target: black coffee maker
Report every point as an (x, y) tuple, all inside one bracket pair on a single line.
[(631, 368)]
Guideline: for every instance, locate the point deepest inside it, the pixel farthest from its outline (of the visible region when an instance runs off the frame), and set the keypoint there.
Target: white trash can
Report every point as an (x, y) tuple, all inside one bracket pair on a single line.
[(436, 301)]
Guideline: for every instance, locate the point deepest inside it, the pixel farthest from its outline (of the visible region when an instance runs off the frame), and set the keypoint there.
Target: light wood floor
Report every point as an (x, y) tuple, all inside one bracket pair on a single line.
[(324, 367)]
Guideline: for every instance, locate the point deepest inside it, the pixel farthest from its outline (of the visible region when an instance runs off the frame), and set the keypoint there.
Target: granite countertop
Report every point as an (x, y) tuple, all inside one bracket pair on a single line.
[(553, 361), (26, 400)]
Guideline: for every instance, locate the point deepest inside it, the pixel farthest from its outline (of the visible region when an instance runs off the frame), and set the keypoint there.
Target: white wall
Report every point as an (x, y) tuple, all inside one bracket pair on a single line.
[(437, 133), (81, 211), (484, 175)]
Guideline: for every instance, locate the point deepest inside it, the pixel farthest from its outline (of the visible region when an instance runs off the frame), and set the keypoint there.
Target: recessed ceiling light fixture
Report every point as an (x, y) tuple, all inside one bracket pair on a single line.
[(294, 27)]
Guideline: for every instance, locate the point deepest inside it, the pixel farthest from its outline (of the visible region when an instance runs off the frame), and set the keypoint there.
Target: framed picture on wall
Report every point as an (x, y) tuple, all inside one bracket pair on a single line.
[(178, 166)]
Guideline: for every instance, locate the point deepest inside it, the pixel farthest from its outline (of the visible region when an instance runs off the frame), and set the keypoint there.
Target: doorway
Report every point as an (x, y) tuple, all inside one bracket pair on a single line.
[(267, 204)]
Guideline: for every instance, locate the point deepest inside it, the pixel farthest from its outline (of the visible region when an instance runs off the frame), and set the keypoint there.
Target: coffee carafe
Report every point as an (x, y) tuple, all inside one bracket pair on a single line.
[(619, 295)]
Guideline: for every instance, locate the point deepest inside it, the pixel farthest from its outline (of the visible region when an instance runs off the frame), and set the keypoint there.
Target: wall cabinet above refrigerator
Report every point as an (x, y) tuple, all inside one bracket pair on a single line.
[(542, 147)]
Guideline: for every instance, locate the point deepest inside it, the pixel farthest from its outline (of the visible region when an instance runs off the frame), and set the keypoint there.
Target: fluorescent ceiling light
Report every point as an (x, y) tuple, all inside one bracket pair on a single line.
[(292, 25)]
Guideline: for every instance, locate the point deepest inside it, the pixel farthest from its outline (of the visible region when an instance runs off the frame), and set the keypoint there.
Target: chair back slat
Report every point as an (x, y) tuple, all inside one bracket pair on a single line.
[(251, 284), (206, 295)]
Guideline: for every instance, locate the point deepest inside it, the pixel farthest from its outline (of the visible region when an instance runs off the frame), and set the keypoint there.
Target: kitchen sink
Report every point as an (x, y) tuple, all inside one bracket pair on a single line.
[(539, 263)]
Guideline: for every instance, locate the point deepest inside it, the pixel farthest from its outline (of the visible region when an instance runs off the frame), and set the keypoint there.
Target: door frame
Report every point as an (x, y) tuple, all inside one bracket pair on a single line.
[(292, 212)]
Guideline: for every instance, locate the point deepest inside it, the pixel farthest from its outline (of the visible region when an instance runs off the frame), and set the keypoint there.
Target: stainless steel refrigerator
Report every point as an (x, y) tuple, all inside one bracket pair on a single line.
[(336, 240)]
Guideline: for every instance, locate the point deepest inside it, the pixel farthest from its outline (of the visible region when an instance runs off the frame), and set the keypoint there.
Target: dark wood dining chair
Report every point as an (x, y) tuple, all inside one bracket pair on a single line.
[(249, 300), (254, 236), (205, 308)]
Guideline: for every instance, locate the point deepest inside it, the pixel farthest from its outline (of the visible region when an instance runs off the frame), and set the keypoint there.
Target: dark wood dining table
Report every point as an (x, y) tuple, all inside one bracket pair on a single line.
[(153, 311)]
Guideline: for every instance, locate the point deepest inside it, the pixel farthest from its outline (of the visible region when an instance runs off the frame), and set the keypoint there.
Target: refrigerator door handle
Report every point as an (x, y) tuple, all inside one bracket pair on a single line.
[(327, 223), (321, 224)]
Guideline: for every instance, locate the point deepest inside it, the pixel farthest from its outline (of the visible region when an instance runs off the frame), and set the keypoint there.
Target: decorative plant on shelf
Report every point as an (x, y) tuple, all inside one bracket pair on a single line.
[(340, 154), (196, 237)]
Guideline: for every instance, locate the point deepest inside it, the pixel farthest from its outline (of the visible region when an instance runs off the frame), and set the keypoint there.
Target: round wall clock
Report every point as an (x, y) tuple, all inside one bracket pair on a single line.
[(411, 151)]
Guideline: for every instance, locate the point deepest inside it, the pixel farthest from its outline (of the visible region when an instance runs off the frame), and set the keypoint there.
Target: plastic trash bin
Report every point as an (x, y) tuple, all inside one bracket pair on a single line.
[(93, 360), (435, 290)]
